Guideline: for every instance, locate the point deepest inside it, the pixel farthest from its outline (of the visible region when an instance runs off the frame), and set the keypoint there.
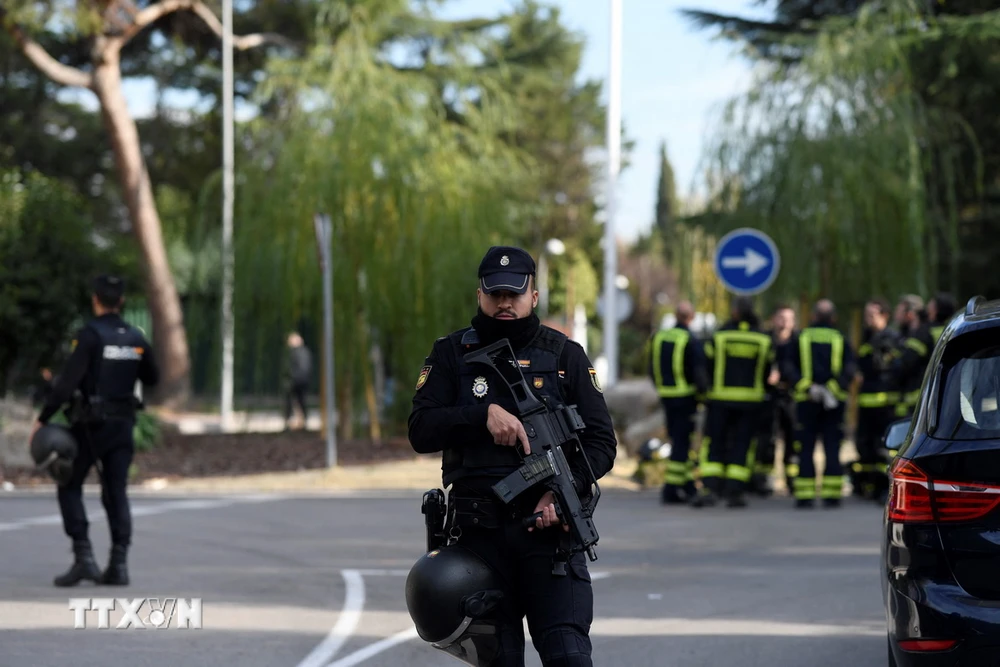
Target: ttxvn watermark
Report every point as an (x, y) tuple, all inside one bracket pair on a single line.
[(138, 613)]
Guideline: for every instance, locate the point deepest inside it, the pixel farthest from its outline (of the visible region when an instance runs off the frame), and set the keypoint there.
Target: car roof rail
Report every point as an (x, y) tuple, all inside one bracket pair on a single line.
[(973, 305)]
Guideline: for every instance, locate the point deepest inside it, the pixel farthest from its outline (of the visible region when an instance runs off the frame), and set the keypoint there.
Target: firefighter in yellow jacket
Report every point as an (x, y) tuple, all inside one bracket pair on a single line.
[(820, 373), (677, 367), (740, 357)]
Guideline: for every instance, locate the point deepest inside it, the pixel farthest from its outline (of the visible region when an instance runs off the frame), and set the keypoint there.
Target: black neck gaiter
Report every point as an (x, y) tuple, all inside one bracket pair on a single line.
[(519, 332)]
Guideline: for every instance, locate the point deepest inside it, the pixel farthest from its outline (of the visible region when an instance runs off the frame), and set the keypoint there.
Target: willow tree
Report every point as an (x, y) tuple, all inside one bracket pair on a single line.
[(840, 161), (414, 198), (103, 30)]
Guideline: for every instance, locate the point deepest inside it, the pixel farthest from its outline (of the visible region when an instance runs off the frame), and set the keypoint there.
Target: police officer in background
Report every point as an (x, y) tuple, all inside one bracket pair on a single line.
[(108, 357), (876, 399), (820, 373), (677, 366), (465, 411), (739, 363), (912, 356)]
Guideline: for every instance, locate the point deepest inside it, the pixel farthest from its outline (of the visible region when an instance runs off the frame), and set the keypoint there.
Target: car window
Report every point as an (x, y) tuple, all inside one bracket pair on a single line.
[(969, 403)]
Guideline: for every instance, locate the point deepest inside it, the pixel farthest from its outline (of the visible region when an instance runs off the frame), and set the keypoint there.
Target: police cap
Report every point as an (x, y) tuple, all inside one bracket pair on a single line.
[(506, 268), (109, 289)]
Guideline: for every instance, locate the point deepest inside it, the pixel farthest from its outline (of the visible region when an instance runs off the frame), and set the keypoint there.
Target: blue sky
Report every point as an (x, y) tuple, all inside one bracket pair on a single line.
[(673, 78)]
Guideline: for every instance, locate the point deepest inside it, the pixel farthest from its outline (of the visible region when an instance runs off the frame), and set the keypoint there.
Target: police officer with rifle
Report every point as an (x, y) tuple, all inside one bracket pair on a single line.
[(99, 384), (519, 415)]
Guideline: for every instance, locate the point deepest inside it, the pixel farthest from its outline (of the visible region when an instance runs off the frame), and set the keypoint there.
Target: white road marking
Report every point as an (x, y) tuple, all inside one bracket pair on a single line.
[(372, 650), (350, 616), (139, 510)]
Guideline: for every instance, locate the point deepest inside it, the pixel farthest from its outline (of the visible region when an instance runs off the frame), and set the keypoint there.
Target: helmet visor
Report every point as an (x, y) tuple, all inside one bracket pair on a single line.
[(479, 645)]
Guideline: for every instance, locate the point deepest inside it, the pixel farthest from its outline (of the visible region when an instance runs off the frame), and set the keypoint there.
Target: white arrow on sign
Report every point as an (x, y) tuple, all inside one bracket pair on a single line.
[(751, 262)]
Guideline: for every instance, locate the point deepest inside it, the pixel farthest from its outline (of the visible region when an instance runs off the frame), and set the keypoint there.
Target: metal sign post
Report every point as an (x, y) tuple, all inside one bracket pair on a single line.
[(324, 232)]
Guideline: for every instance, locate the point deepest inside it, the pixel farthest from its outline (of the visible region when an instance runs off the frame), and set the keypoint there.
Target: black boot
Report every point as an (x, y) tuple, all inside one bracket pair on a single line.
[(84, 566), (117, 572)]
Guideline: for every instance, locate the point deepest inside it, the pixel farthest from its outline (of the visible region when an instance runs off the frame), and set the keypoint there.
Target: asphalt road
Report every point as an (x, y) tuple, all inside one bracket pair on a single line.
[(318, 582)]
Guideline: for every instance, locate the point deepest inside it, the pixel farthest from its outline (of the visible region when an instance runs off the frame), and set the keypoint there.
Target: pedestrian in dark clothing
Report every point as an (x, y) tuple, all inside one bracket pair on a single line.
[(297, 375)]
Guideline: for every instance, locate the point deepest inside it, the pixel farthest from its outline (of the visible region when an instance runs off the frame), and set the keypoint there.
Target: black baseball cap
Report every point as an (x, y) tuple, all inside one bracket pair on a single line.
[(109, 289), (506, 268)]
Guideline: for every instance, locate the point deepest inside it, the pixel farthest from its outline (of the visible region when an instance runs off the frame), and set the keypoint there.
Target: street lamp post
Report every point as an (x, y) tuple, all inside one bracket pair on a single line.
[(552, 247), (614, 164)]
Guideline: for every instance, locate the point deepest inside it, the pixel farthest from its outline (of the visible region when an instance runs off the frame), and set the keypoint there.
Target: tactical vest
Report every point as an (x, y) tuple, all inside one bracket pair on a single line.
[(820, 343), (668, 363), (740, 358), (111, 383), (479, 384)]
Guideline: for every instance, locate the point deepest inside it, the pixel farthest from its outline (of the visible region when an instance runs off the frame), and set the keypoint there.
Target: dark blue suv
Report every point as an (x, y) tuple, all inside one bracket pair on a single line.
[(941, 540)]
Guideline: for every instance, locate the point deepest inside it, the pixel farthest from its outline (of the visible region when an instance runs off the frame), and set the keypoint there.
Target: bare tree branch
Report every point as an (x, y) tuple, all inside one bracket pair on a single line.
[(40, 58), (155, 12)]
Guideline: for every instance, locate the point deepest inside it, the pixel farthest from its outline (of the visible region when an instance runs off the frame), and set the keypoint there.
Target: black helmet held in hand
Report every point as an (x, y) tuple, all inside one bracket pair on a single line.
[(452, 596), (54, 448)]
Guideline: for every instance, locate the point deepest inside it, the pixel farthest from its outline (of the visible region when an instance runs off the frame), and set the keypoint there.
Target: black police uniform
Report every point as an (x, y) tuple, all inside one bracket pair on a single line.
[(824, 358), (876, 410), (739, 358), (450, 410), (678, 368), (108, 357)]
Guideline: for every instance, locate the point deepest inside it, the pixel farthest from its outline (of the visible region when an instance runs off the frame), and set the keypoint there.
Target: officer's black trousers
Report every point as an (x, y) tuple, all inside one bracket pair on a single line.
[(815, 422), (559, 609), (113, 446), (679, 414)]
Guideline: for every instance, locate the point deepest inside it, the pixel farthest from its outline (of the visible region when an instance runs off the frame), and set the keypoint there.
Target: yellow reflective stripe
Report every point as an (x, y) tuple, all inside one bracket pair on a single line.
[(805, 487), (865, 350), (719, 390), (877, 399), (679, 338), (677, 478), (738, 473), (832, 486), (820, 336), (792, 470), (711, 469), (936, 333), (917, 346)]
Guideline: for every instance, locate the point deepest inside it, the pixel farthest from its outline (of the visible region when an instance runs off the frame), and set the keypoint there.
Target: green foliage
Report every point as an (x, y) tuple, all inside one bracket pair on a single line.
[(47, 260), (839, 156), (414, 203), (666, 195), (146, 432)]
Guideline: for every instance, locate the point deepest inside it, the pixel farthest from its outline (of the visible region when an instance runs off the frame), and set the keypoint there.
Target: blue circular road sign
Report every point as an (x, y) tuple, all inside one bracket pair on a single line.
[(746, 261)]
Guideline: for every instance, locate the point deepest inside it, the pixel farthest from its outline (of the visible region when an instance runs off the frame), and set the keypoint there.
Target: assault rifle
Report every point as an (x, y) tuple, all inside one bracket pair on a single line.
[(548, 431)]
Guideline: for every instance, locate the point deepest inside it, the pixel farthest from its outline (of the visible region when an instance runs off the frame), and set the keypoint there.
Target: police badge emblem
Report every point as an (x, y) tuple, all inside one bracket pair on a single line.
[(479, 387), (539, 382), (422, 378), (594, 381)]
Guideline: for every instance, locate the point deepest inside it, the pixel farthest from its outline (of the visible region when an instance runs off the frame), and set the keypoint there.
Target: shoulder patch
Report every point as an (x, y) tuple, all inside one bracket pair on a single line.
[(422, 378), (594, 381)]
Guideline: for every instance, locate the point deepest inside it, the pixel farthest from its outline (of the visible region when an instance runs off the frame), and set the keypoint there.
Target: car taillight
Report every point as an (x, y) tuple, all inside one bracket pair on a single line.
[(914, 497), (927, 644), (909, 493)]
